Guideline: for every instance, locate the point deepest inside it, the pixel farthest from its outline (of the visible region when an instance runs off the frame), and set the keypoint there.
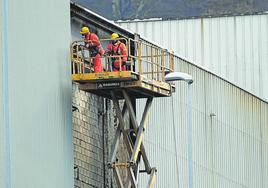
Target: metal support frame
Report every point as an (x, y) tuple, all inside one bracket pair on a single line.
[(133, 150)]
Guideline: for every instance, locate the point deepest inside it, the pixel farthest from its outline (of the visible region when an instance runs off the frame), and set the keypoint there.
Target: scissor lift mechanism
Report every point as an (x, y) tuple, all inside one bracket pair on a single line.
[(148, 82), (131, 164)]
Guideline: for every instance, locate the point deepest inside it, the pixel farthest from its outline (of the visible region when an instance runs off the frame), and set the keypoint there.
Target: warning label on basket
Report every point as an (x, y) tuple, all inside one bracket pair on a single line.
[(108, 85)]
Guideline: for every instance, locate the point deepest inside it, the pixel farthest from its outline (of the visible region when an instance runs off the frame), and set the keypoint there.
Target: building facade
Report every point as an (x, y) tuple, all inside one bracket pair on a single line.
[(234, 47), (226, 146), (227, 141), (35, 95)]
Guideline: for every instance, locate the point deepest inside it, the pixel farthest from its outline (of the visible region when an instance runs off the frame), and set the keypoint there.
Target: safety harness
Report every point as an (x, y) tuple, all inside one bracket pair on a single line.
[(112, 53), (93, 49)]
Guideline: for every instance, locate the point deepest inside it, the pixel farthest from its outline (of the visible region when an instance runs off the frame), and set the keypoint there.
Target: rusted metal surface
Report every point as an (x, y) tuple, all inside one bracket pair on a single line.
[(233, 47), (229, 134)]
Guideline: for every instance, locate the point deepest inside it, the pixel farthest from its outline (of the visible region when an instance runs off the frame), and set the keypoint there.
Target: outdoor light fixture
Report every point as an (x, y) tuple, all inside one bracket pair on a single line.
[(181, 76), (176, 76)]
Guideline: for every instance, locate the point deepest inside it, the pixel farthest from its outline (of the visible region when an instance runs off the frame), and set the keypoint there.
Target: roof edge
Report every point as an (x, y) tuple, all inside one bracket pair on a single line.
[(175, 54), (191, 17)]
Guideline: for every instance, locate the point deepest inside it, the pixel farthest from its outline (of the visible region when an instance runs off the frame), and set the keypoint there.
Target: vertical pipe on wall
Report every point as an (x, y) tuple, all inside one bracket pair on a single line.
[(174, 139), (189, 137), (104, 117)]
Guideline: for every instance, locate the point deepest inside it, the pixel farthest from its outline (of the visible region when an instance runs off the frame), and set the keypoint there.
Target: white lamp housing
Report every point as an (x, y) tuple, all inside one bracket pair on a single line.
[(176, 76)]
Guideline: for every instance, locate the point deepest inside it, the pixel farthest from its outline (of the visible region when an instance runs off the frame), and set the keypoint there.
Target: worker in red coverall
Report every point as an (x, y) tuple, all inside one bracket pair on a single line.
[(92, 42), (117, 48)]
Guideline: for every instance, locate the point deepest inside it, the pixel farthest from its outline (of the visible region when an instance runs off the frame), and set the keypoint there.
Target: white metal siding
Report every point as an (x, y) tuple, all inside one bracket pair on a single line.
[(41, 150), (229, 149), (236, 48), (1, 104)]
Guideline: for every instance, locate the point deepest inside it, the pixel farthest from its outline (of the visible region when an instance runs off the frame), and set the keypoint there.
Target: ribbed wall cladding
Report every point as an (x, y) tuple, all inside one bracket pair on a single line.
[(35, 95), (1, 105), (229, 135), (235, 47)]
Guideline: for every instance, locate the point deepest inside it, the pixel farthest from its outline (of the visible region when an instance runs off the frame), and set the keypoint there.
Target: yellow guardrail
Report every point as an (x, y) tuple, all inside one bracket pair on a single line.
[(144, 58)]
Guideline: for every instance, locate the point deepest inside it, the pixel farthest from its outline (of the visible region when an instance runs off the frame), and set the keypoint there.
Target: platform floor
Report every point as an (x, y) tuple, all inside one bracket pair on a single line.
[(136, 85)]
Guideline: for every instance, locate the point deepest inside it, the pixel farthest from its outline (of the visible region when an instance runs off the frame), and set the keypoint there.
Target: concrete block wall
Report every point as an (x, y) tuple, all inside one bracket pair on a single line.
[(94, 127), (88, 138)]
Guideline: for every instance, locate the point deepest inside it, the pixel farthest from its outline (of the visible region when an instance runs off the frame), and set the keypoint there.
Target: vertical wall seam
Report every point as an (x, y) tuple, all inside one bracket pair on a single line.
[(260, 89), (202, 42), (235, 51), (6, 124)]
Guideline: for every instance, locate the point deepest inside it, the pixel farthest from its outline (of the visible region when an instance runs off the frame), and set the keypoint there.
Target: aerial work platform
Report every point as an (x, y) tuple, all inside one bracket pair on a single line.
[(144, 77)]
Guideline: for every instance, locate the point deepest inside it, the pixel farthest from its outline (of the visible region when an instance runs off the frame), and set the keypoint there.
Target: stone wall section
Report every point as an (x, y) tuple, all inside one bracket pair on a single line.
[(88, 139), (94, 127)]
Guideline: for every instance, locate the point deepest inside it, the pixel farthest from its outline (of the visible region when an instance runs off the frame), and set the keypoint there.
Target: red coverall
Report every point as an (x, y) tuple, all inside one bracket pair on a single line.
[(118, 49), (97, 49)]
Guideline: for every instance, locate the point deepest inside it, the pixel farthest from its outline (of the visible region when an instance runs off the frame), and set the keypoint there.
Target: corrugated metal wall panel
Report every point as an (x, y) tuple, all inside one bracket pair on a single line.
[(264, 144), (236, 48), (41, 150), (1, 103), (229, 149)]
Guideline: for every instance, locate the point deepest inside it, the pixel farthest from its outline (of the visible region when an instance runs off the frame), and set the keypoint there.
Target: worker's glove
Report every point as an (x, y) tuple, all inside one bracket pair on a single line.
[(90, 44)]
